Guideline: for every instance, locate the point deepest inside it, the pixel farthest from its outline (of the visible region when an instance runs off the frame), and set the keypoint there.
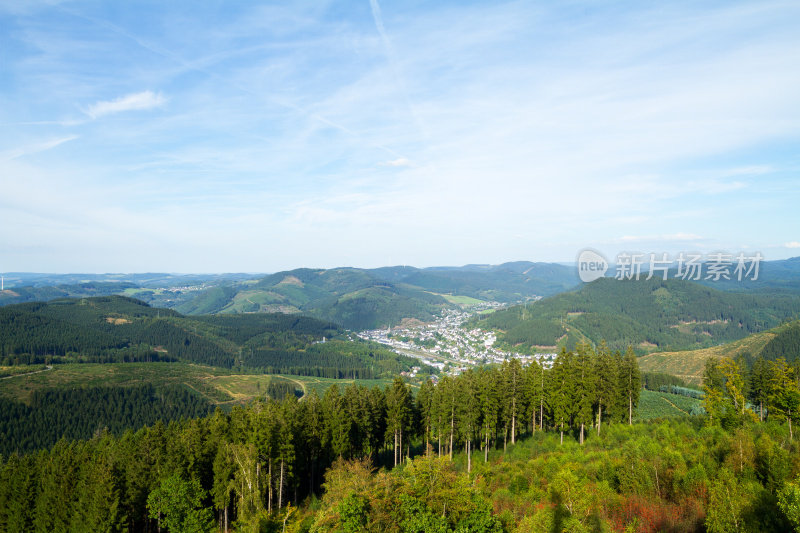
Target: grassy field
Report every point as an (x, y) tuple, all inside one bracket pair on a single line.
[(322, 384), (688, 365), (464, 301), (218, 386), (663, 405), (10, 371)]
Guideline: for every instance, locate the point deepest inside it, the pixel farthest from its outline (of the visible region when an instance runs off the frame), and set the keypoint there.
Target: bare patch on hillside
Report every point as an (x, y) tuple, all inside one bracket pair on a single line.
[(411, 323), (117, 321), (291, 280)]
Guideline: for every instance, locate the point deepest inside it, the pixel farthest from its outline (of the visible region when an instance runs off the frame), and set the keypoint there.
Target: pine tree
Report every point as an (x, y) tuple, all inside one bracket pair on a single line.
[(488, 393), (631, 381), (713, 391), (785, 397), (469, 411), (425, 409), (98, 505), (607, 385), (223, 486), (563, 390), (512, 394), (310, 435), (533, 392), (264, 438), (286, 448), (398, 416), (337, 423), (759, 381), (734, 385), (585, 386)]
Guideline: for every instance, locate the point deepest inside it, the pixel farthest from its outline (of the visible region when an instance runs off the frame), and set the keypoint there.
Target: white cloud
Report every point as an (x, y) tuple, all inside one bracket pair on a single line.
[(793, 244), (672, 237), (131, 102), (619, 123), (399, 162), (681, 237), (35, 148)]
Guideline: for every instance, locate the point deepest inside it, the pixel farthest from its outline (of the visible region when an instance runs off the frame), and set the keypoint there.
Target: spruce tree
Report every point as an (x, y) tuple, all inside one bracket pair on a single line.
[(630, 381)]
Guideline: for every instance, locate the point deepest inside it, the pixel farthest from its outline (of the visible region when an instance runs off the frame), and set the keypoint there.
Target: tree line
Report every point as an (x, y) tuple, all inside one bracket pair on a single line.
[(736, 393), (69, 413), (672, 314), (246, 465), (120, 330)]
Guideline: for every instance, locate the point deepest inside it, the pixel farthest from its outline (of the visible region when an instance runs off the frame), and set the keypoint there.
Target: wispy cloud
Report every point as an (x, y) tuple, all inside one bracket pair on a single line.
[(399, 162), (672, 237), (131, 102), (35, 148), (378, 18), (546, 127), (793, 244)]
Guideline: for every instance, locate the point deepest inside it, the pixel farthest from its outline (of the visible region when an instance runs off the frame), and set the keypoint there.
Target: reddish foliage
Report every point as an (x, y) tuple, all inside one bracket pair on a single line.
[(658, 515)]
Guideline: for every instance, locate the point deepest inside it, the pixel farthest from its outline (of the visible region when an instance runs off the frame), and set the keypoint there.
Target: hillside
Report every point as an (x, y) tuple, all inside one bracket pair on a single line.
[(364, 299), (507, 282), (157, 289), (30, 293), (119, 329), (350, 297), (782, 276), (782, 341), (650, 315)]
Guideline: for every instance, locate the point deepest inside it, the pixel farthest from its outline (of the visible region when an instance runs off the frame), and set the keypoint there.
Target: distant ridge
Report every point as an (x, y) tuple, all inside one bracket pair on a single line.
[(654, 315), (369, 298), (782, 341)]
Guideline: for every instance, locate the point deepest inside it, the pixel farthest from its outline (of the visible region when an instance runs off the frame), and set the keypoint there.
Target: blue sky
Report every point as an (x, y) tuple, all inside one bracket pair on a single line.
[(210, 136)]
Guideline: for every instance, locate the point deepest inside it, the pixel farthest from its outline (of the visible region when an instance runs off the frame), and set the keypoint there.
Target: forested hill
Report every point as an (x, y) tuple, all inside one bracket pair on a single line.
[(350, 297), (770, 345), (77, 290), (781, 276), (365, 299), (119, 329), (652, 315), (507, 282)]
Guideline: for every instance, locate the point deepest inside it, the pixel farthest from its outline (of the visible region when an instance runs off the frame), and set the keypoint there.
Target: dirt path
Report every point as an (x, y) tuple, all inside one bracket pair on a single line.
[(675, 406), (49, 367), (302, 385)]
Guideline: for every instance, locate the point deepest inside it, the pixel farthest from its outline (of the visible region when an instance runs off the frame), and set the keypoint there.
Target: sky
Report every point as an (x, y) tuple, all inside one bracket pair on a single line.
[(257, 137)]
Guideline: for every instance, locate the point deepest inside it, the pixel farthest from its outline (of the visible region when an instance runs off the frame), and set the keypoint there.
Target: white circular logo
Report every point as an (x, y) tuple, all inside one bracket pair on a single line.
[(591, 265)]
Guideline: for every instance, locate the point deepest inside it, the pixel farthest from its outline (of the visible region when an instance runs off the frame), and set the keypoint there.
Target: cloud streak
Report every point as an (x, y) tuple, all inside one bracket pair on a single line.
[(35, 148), (141, 101), (546, 129)]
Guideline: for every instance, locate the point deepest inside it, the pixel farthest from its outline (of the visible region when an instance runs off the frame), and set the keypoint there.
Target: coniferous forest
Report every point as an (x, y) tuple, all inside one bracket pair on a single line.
[(399, 267), (507, 448)]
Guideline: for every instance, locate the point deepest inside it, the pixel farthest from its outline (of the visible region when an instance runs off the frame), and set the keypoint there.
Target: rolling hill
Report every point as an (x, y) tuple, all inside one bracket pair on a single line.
[(508, 282), (351, 297), (118, 329), (652, 315), (44, 293), (782, 276), (782, 341), (366, 299), (157, 289)]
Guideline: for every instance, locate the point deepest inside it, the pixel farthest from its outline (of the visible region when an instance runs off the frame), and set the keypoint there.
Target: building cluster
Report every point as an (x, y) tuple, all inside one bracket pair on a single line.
[(448, 345)]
